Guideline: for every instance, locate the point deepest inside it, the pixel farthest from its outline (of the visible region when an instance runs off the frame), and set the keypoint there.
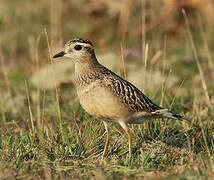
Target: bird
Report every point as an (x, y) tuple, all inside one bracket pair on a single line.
[(106, 96)]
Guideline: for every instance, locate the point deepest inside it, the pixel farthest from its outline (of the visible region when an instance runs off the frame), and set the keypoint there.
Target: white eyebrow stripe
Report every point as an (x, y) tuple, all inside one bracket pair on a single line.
[(83, 44)]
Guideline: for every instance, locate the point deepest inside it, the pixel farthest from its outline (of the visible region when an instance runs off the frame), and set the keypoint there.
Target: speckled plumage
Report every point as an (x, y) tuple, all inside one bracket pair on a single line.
[(106, 95), (126, 94)]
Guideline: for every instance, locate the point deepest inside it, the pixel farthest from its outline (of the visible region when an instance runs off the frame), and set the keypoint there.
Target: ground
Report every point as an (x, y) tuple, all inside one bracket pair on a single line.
[(45, 133)]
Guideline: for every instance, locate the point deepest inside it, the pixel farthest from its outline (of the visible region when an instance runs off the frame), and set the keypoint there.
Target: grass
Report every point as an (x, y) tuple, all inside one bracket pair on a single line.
[(45, 133)]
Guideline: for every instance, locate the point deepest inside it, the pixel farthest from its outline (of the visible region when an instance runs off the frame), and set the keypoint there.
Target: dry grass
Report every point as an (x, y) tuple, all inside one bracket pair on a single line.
[(45, 134)]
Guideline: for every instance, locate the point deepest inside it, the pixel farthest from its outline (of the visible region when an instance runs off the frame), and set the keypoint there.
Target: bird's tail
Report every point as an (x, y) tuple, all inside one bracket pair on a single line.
[(161, 113), (165, 113)]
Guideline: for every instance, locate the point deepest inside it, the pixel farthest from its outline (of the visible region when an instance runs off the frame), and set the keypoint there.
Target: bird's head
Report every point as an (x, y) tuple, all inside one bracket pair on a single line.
[(78, 50)]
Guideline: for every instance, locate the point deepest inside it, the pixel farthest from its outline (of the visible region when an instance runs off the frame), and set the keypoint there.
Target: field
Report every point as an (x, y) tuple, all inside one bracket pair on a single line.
[(164, 47)]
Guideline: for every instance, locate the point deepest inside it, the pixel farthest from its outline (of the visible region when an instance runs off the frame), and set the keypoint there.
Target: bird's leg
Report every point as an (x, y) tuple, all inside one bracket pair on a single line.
[(124, 126), (107, 139)]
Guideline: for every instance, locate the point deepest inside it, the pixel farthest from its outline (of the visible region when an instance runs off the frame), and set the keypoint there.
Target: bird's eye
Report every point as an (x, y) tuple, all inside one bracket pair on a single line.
[(78, 47)]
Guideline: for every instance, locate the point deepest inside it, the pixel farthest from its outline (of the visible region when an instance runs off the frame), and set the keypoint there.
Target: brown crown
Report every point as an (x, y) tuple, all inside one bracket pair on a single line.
[(79, 40)]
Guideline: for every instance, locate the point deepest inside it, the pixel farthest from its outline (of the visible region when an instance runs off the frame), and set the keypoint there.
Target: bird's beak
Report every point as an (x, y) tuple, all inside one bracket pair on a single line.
[(61, 54)]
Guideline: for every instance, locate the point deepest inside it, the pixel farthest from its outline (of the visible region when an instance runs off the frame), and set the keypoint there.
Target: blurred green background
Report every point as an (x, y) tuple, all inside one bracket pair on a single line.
[(44, 133)]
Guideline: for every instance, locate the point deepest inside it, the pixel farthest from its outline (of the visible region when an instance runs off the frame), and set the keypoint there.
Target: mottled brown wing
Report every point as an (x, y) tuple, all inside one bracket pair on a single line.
[(131, 95)]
